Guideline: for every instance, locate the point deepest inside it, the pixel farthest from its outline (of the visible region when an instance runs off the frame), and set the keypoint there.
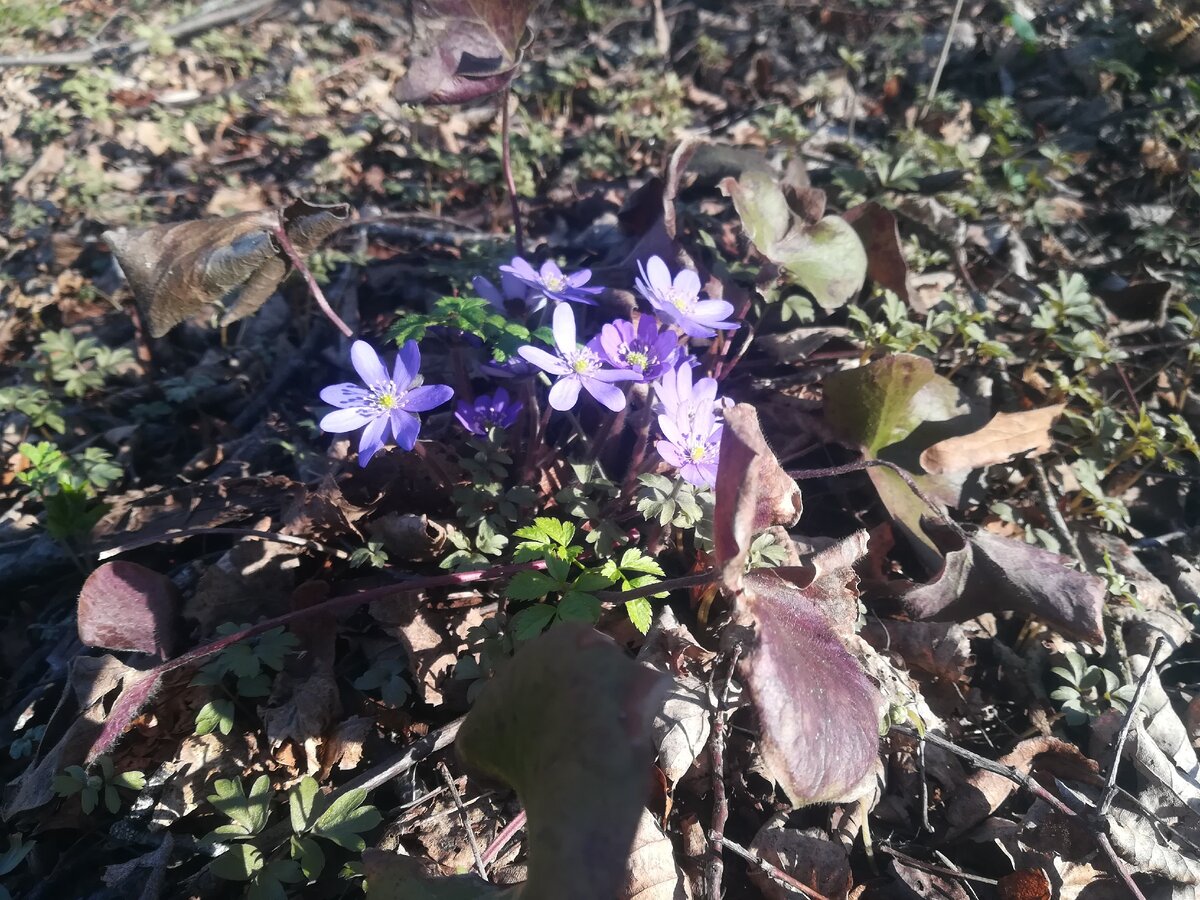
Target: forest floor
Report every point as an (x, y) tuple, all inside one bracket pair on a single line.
[(962, 251)]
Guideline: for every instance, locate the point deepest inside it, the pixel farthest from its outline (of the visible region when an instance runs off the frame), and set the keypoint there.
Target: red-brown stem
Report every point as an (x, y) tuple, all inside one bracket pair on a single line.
[(506, 165), (313, 288), (502, 839), (715, 869)]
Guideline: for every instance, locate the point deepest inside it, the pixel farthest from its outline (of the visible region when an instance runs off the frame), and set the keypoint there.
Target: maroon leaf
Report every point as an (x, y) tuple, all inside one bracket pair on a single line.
[(124, 606), (818, 711), (876, 227), (465, 49), (135, 694), (753, 492), (988, 574)]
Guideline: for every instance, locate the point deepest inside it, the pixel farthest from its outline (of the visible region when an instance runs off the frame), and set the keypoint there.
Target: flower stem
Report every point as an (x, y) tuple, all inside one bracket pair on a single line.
[(313, 288), (506, 165)]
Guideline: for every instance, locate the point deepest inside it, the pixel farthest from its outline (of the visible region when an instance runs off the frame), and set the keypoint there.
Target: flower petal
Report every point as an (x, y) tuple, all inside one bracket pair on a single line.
[(367, 364), (342, 420), (522, 270), (687, 283), (671, 430), (550, 271), (607, 394), (407, 427), (580, 278), (613, 375), (658, 275), (372, 439), (426, 397), (565, 393), (544, 360), (669, 453), (408, 364), (345, 395), (564, 329), (712, 311), (489, 291)]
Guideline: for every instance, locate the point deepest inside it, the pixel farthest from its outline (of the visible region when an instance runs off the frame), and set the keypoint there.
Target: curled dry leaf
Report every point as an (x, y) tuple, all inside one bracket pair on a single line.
[(464, 49), (876, 228), (125, 606), (1005, 436), (753, 494), (568, 725), (178, 270), (827, 259), (809, 856), (651, 872), (987, 574), (941, 649), (983, 791)]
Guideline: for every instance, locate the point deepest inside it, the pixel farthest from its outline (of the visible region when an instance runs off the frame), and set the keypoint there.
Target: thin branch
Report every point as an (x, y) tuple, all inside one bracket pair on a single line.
[(223, 14), (1050, 502), (185, 533), (285, 242), (941, 65), (409, 757), (715, 869), (648, 590), (1110, 785), (466, 820), (930, 867)]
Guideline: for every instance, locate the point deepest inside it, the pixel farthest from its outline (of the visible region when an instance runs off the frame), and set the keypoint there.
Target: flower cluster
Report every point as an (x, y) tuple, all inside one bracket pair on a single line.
[(651, 349)]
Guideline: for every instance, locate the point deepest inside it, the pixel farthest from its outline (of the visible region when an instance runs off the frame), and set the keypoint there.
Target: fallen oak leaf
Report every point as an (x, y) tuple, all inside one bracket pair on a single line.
[(1005, 436), (178, 270), (986, 573)]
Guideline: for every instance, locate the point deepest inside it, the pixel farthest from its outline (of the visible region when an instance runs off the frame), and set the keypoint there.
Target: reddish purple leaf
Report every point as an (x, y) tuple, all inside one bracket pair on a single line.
[(465, 49), (124, 606), (989, 574), (134, 697), (819, 712)]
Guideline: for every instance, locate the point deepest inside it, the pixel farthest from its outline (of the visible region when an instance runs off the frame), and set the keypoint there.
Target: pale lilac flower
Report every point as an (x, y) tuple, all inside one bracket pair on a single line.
[(646, 350), (496, 411), (678, 300), (577, 367), (387, 403), (692, 446), (513, 296), (679, 398), (553, 283)]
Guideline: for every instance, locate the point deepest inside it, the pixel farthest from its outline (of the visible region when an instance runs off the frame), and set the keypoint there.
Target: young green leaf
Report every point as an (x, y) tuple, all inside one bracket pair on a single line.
[(214, 715), (345, 820), (302, 800), (239, 863)]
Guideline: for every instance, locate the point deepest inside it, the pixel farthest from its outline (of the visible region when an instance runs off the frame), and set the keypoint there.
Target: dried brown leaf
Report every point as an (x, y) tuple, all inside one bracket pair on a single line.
[(125, 606), (1005, 436)]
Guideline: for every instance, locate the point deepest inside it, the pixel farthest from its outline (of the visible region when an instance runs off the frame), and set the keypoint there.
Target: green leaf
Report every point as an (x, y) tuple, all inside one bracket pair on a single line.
[(16, 852), (302, 801), (592, 580), (826, 259), (530, 586), (345, 819), (577, 606), (239, 863), (213, 715), (634, 560), (531, 622), (641, 613), (310, 857), (132, 780), (249, 813)]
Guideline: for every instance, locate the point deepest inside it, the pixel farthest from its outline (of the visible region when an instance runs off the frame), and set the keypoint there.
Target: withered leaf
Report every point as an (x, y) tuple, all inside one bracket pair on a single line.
[(988, 574), (1005, 436), (177, 270), (876, 228), (464, 49), (753, 491)]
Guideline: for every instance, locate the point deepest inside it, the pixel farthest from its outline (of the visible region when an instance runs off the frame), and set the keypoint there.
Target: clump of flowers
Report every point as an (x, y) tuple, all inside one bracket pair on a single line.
[(497, 410), (552, 283), (677, 300), (384, 403), (643, 349)]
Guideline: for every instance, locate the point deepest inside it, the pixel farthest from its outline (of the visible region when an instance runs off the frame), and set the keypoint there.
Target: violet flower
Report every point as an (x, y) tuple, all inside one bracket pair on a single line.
[(513, 296), (646, 350), (386, 403), (496, 411), (678, 300), (693, 447), (682, 400), (552, 283), (576, 367)]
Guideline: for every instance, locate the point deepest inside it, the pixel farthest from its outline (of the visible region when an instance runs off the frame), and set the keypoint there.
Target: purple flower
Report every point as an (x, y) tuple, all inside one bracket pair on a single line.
[(552, 283), (496, 411), (678, 301), (385, 403), (577, 367), (683, 401), (513, 295), (693, 446), (647, 351)]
